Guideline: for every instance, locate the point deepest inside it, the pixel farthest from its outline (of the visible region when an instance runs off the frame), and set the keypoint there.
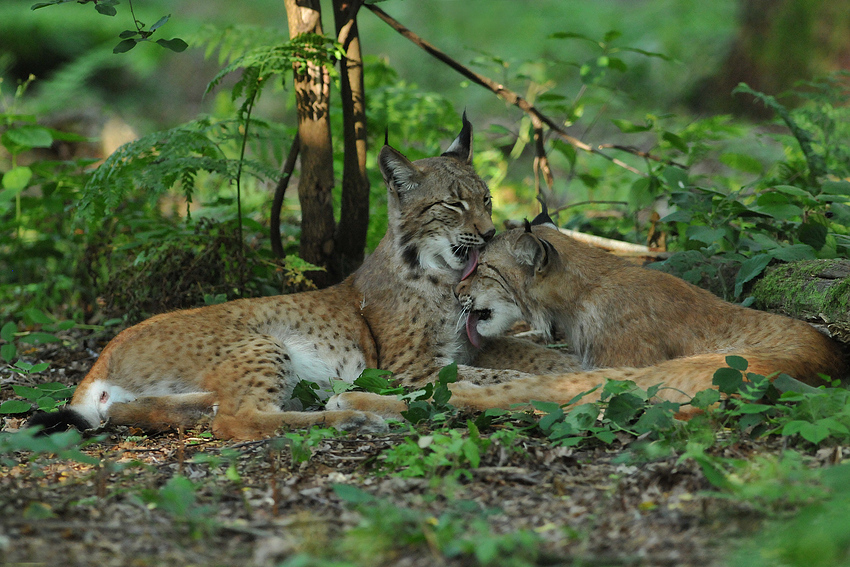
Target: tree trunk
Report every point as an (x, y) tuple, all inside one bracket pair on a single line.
[(312, 95), (354, 216), (817, 291)]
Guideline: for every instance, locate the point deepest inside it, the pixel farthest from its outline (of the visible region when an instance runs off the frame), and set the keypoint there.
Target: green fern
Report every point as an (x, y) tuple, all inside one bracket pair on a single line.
[(157, 162)]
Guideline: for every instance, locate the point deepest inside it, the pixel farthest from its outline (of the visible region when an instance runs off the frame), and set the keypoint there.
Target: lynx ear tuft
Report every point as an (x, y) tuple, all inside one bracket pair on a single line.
[(399, 173), (461, 148), (543, 218)]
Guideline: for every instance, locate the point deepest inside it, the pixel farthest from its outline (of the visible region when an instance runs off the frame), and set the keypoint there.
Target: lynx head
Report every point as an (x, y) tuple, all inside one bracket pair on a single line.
[(439, 209), (513, 281)]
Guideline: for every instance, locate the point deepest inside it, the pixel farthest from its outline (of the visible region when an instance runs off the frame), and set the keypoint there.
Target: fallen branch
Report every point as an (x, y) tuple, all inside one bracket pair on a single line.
[(617, 247)]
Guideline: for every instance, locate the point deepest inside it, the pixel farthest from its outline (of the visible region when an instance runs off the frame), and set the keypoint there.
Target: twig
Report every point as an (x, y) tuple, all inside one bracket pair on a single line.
[(571, 205), (279, 193), (639, 153), (500, 90)]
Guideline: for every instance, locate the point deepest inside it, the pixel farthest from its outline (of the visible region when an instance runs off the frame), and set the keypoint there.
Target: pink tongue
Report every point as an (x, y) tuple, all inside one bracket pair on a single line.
[(472, 329), (471, 264)]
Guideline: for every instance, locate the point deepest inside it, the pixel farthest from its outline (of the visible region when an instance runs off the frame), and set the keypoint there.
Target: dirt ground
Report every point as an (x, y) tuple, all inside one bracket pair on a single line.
[(253, 504)]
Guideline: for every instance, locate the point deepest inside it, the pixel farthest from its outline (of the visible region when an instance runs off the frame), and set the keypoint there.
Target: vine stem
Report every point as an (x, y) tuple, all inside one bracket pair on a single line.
[(248, 110)]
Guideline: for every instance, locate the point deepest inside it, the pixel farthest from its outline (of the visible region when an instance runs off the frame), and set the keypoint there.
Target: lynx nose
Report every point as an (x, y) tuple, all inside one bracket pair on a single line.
[(488, 236)]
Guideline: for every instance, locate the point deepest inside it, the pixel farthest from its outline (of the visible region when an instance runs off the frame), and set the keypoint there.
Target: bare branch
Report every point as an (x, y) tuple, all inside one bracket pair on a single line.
[(499, 90)]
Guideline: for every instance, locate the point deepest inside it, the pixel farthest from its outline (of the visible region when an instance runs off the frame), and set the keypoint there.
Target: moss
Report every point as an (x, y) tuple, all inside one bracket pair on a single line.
[(813, 288)]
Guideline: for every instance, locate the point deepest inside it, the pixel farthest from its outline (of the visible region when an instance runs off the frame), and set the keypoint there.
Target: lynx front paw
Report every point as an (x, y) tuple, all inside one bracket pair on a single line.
[(385, 406)]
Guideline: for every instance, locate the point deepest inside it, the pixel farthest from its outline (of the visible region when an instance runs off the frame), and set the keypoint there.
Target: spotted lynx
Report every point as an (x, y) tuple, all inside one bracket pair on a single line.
[(624, 322), (241, 360)]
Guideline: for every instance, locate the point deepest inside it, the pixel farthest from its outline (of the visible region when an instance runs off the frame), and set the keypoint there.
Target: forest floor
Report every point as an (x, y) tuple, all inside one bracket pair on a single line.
[(258, 503)]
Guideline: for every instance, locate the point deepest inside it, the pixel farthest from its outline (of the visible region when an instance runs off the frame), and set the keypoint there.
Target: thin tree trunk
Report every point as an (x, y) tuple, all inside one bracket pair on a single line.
[(354, 215), (312, 95)]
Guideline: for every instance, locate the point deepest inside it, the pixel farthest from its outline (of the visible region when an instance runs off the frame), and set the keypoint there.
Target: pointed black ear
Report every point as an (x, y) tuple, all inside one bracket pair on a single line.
[(543, 218), (532, 251), (461, 148), (399, 174), (527, 225), (387, 136)]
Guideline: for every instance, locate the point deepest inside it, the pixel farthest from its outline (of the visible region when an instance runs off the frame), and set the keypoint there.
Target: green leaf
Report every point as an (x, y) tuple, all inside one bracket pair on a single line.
[(750, 268), (545, 407), (630, 127), (728, 380), (813, 234), (448, 374), (28, 136), (793, 191), (737, 362), (17, 178), (7, 332), (706, 234), (159, 23), (38, 316), (676, 177), (8, 352), (678, 216), (37, 338), (125, 46), (105, 9), (705, 398), (836, 187), (177, 45), (777, 206), (28, 392), (675, 141), (352, 494), (15, 406), (794, 252), (623, 407), (611, 35), (742, 162)]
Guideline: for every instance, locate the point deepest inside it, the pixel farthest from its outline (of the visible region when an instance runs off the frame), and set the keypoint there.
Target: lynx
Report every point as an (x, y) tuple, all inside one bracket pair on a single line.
[(241, 360), (623, 321)]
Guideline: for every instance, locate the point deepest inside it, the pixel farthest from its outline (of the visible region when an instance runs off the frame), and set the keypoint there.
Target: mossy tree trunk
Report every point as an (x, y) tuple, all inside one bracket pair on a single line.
[(817, 291)]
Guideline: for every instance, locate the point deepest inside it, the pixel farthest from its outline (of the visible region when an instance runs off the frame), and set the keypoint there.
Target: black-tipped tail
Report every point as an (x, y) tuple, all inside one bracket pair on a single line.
[(56, 421)]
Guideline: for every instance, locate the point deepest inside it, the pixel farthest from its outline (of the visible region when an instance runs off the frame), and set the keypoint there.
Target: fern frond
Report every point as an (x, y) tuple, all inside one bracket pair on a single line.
[(234, 41), (155, 163)]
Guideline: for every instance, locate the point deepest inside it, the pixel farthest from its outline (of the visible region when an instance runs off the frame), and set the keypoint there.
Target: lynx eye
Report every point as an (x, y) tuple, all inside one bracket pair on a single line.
[(456, 206)]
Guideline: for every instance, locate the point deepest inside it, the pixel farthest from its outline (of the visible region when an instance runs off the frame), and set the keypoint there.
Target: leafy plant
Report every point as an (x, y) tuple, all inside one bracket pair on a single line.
[(178, 499)]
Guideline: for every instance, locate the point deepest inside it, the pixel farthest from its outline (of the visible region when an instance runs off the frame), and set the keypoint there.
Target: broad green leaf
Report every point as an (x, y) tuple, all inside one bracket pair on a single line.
[(27, 392), (630, 127), (448, 374), (675, 177), (793, 191), (611, 35), (737, 362), (28, 136), (675, 141), (7, 332), (705, 399), (159, 23), (46, 403), (547, 421), (750, 268), (742, 162), (15, 406), (38, 316), (836, 187), (8, 352), (622, 408), (706, 234), (813, 234), (352, 494), (38, 338), (124, 46), (728, 380), (777, 206), (794, 252), (17, 179), (545, 407), (678, 216), (177, 45)]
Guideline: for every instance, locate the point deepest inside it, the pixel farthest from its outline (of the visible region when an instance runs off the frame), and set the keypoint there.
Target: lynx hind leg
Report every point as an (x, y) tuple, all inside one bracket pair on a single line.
[(156, 413), (387, 407), (259, 424), (510, 353)]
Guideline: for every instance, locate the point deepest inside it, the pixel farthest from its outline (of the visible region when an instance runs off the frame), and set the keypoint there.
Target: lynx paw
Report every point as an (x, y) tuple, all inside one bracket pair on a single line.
[(362, 422), (385, 406)]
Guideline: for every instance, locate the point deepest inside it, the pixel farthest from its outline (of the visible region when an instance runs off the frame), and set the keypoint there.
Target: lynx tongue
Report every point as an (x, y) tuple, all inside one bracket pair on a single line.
[(471, 263), (472, 329)]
